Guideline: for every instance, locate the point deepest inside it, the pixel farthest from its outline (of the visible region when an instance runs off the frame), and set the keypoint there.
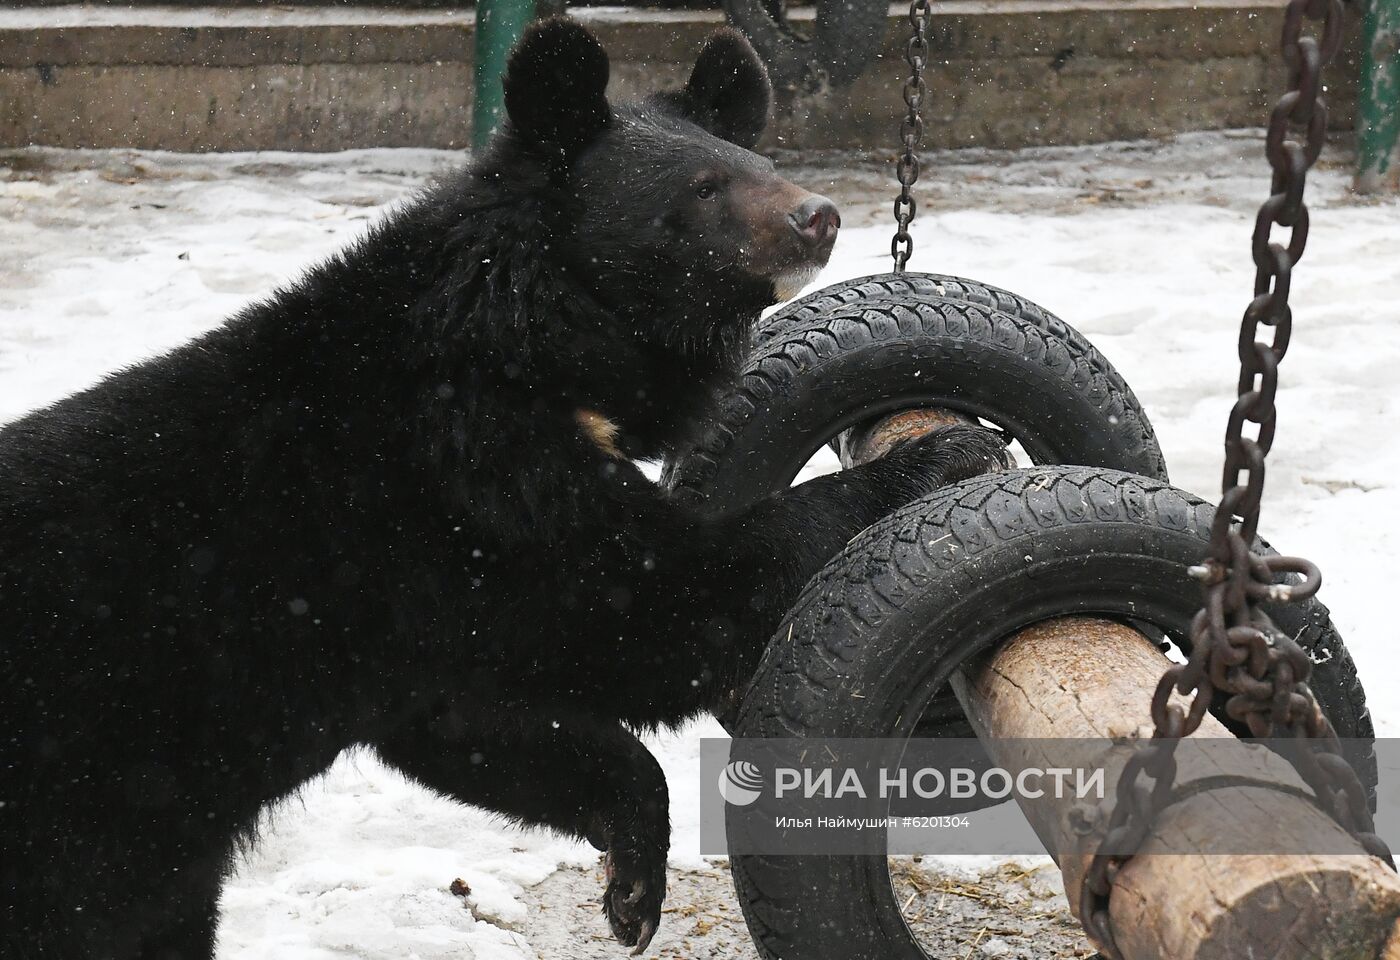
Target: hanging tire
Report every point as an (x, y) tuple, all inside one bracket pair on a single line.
[(854, 351), (941, 580)]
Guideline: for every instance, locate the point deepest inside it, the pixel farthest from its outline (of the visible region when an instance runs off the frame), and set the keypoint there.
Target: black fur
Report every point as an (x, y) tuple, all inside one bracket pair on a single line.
[(363, 512)]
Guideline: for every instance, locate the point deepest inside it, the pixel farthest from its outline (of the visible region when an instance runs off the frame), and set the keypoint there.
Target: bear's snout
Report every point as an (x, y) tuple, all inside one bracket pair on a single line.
[(816, 221), (792, 233)]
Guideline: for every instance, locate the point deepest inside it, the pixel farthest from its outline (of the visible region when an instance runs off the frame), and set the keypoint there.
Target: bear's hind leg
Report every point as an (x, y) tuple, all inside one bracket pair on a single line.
[(556, 767), (189, 933)]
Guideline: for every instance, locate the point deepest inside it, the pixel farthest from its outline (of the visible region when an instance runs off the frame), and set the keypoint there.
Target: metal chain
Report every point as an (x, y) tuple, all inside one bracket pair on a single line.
[(1235, 648), (911, 131)]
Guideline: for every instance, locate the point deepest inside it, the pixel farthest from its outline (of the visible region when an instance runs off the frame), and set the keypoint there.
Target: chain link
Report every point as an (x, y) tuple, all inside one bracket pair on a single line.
[(1235, 649), (911, 131)]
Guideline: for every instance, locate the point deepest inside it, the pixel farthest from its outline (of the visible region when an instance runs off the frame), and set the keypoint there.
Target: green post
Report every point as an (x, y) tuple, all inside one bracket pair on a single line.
[(1378, 102), (499, 23)]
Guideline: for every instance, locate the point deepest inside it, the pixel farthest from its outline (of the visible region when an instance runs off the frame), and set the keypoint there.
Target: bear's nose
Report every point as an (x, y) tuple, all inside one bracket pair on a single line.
[(816, 221)]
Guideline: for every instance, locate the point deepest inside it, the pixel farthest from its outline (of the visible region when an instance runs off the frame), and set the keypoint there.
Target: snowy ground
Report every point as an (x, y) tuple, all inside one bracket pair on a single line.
[(114, 256)]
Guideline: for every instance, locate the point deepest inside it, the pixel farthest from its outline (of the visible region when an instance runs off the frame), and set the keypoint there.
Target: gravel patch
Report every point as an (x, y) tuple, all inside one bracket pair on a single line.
[(1013, 910)]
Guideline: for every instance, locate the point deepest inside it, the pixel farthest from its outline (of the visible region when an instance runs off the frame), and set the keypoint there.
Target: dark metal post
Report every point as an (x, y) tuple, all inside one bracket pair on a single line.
[(1378, 101), (499, 24)]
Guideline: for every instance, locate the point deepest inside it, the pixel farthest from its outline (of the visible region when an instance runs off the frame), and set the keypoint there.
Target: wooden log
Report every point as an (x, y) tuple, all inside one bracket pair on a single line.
[(1177, 900), (864, 443)]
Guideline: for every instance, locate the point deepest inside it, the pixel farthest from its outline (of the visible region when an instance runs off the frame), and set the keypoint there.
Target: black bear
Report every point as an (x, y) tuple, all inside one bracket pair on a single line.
[(394, 505)]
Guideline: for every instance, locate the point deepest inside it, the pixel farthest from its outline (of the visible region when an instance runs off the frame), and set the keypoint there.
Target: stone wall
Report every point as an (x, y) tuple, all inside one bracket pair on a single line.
[(1005, 73)]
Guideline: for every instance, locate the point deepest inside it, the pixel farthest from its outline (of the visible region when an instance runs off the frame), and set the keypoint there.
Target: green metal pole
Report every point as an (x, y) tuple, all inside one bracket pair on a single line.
[(499, 23), (1378, 102)]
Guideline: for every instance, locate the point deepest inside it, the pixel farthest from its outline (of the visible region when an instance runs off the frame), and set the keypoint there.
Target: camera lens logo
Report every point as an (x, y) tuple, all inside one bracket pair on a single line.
[(740, 783)]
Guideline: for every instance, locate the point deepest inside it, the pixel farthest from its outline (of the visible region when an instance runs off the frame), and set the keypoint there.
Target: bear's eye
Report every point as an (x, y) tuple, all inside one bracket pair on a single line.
[(706, 189)]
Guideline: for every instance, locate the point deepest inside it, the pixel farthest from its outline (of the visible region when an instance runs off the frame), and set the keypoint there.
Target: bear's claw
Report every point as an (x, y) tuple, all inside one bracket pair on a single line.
[(636, 874), (644, 939)]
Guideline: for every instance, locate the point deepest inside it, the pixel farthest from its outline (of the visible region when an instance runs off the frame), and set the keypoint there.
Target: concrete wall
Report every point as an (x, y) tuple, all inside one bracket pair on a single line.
[(1005, 73)]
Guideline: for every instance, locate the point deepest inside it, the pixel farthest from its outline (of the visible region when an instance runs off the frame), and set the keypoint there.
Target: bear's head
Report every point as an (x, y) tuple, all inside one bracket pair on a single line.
[(670, 184), (671, 218)]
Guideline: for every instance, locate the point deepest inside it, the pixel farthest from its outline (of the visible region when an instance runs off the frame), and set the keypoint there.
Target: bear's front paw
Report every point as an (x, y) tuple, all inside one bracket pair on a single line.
[(953, 453), (636, 873)]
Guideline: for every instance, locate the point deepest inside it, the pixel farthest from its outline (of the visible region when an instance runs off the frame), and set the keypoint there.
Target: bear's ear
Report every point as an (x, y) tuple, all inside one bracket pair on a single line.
[(554, 87), (728, 92)]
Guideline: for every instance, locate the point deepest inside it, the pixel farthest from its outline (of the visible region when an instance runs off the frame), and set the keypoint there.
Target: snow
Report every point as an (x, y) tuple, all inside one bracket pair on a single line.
[(82, 15), (114, 256), (276, 16), (362, 864)]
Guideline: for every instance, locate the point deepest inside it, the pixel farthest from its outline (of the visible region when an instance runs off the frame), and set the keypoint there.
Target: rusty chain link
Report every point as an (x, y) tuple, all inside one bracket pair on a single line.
[(911, 131), (1235, 648)]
